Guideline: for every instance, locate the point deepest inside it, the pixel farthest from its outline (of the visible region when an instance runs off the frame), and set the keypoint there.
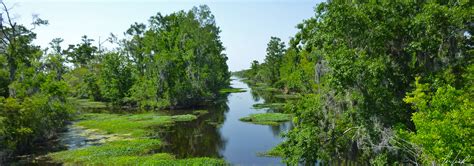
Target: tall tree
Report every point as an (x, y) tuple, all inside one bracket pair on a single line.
[(273, 60), (81, 54)]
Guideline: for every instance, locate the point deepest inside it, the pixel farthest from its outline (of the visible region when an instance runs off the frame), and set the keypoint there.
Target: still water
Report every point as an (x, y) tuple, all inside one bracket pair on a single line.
[(218, 134), (221, 134)]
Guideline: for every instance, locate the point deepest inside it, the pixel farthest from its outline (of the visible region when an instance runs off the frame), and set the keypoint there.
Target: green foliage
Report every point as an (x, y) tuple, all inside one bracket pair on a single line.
[(33, 118), (81, 54), (4, 80), (354, 63), (33, 104), (178, 59), (276, 151), (273, 59), (115, 77), (444, 124), (269, 71)]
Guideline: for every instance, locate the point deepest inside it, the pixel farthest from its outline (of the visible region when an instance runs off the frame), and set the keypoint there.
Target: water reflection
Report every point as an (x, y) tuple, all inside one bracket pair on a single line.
[(221, 134), (198, 138)]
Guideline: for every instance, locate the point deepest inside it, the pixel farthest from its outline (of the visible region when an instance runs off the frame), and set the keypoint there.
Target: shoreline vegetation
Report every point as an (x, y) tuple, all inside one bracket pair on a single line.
[(115, 93), (374, 84), (273, 119), (126, 141)]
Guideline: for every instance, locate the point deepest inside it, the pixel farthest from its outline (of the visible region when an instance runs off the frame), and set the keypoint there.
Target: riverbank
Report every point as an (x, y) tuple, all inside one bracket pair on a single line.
[(211, 135)]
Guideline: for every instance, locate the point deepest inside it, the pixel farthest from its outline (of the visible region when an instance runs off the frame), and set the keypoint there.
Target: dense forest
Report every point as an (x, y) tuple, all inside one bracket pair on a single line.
[(381, 83), (173, 61)]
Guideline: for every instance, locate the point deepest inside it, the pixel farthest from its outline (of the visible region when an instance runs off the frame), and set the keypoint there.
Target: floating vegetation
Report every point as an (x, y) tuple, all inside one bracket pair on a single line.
[(232, 90), (200, 112), (288, 96), (87, 104), (126, 152), (124, 140), (269, 105), (276, 151), (131, 124), (267, 118)]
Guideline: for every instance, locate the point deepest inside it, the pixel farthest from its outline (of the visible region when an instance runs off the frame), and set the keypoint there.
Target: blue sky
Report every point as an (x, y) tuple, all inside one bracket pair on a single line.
[(246, 25)]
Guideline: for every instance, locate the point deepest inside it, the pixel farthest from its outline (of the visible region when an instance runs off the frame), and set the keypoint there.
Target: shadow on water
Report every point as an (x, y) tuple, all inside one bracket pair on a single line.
[(198, 138), (221, 134), (218, 134)]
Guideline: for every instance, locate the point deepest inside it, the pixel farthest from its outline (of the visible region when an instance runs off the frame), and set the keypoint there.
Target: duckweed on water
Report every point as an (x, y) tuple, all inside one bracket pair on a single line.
[(132, 147), (128, 152), (267, 118), (134, 125)]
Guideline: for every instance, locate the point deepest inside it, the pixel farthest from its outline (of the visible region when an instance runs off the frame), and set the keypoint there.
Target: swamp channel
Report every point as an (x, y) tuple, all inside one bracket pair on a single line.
[(218, 131)]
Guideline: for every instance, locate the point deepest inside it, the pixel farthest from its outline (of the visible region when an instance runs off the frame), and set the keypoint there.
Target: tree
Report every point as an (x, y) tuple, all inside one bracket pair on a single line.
[(355, 62), (115, 77), (81, 54), (35, 107), (273, 60), (16, 43), (444, 125), (180, 55)]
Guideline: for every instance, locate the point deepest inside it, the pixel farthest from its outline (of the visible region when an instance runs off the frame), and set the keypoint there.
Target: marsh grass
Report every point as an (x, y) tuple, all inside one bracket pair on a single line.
[(267, 118), (269, 105), (200, 112), (86, 104), (288, 96), (232, 90), (135, 125), (130, 144), (127, 152), (276, 151)]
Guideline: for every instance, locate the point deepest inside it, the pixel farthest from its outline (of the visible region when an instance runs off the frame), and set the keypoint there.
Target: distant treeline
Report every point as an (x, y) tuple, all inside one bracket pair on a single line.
[(382, 83)]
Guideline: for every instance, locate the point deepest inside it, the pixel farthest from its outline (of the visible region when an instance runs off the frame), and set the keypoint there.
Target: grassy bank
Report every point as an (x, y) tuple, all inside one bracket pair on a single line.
[(267, 118)]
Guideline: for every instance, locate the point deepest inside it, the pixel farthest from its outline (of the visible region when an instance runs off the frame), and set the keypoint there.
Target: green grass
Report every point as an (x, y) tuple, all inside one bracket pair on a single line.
[(107, 151), (264, 87), (134, 125), (269, 105), (232, 90), (267, 118), (200, 112), (126, 152), (130, 145), (288, 96), (276, 151)]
